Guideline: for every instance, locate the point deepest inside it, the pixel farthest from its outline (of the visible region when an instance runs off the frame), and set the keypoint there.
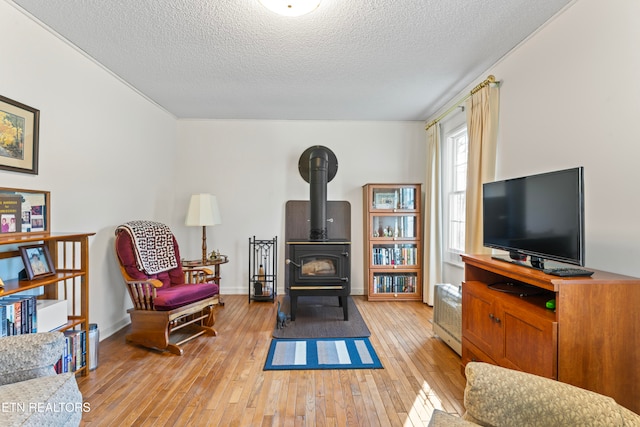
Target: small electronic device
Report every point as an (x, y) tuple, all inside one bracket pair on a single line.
[(568, 272), (519, 289)]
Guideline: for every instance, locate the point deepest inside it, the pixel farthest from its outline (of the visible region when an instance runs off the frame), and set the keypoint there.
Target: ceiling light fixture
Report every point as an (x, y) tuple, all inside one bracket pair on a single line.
[(291, 7)]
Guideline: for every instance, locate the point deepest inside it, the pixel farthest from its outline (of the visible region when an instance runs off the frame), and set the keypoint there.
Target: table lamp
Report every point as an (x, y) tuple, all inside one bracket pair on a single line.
[(203, 211)]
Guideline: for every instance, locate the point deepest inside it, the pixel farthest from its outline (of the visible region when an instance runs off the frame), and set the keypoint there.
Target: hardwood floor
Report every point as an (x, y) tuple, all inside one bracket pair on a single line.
[(220, 381)]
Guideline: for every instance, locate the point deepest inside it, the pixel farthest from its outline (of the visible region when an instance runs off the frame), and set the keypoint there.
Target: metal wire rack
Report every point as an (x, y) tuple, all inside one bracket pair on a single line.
[(263, 269)]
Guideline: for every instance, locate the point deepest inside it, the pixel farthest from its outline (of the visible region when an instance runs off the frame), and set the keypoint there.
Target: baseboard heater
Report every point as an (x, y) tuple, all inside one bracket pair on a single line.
[(447, 315)]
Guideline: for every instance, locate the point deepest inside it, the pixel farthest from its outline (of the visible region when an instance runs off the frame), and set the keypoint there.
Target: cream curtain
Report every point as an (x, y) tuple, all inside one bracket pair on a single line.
[(482, 128), (432, 265)]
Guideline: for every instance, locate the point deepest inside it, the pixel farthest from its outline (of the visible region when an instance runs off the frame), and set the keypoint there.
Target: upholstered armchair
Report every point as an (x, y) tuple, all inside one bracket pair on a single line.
[(171, 305), (32, 394), (501, 397)]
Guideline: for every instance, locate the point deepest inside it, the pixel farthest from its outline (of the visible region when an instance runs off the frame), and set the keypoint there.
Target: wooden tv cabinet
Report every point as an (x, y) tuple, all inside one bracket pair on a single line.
[(590, 340)]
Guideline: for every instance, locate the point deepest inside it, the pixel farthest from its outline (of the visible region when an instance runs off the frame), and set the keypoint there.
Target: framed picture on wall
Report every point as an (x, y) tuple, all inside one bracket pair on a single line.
[(37, 261), (19, 128)]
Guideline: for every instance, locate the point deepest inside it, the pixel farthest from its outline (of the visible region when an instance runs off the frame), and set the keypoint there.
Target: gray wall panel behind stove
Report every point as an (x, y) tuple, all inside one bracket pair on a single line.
[(297, 224)]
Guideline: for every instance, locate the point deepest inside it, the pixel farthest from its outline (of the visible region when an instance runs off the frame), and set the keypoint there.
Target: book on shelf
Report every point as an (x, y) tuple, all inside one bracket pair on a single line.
[(74, 356), (10, 213), (409, 226), (3, 320), (407, 198), (394, 283), (398, 255), (18, 315)]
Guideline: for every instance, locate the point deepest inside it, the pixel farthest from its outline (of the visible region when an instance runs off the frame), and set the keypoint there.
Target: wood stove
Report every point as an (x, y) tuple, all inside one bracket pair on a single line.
[(319, 263), (319, 269)]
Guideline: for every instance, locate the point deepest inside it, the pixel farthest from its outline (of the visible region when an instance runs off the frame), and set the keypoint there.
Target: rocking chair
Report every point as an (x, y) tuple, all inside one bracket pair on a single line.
[(168, 301)]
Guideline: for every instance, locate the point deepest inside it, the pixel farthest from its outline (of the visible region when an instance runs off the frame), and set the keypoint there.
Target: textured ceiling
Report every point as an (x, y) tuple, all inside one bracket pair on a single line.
[(347, 60)]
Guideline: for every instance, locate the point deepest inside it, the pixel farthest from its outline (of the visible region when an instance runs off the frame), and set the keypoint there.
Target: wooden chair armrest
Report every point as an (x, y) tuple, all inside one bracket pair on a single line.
[(151, 282), (197, 274), (130, 280), (155, 283), (142, 292)]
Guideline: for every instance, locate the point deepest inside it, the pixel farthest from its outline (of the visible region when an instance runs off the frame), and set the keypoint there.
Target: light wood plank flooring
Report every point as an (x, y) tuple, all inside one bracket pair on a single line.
[(220, 382)]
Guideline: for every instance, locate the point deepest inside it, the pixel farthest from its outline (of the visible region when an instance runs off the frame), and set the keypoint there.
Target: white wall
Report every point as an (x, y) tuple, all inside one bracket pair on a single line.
[(95, 133), (252, 167), (570, 96)]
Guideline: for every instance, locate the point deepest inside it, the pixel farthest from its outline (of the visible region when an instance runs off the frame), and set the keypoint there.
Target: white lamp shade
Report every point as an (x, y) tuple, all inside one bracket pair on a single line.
[(291, 7), (203, 210)]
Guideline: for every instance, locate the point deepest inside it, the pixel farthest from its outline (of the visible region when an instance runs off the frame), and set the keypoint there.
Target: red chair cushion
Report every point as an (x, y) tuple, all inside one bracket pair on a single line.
[(179, 295)]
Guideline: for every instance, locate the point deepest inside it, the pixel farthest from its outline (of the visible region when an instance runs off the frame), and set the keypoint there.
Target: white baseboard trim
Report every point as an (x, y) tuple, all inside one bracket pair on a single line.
[(112, 329)]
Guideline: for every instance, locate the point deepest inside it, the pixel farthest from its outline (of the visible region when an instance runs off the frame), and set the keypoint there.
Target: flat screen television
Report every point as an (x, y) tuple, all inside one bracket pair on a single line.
[(540, 216)]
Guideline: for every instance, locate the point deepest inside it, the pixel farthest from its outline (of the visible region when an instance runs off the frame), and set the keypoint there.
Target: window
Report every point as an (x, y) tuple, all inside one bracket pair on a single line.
[(454, 182)]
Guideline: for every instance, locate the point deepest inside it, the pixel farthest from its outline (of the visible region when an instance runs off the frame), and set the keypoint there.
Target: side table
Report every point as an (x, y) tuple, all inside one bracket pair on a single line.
[(209, 262)]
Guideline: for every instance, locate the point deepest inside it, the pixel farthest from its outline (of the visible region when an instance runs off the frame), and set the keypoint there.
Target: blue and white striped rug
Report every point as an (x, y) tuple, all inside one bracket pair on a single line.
[(322, 353)]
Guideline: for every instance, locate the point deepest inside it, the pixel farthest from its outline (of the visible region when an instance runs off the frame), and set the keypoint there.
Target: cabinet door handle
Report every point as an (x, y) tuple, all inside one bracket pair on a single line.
[(491, 316), (497, 320)]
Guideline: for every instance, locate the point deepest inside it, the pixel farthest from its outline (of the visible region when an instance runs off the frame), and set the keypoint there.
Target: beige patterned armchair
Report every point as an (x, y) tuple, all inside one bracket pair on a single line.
[(31, 392), (500, 397)]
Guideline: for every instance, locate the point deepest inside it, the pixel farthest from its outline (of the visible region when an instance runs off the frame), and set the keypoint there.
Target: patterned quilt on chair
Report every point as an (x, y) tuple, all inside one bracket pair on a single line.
[(153, 243)]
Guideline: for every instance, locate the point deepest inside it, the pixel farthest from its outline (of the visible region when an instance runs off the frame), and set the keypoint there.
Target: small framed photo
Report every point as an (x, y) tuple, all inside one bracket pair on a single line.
[(37, 261), (385, 201), (19, 134)]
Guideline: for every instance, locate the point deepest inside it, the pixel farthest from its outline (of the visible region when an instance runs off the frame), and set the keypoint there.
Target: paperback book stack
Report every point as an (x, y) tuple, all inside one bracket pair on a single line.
[(394, 283), (18, 315), (75, 352)]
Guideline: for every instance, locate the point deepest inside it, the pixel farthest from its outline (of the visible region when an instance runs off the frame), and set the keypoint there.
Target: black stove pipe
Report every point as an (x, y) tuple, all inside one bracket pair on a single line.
[(318, 178)]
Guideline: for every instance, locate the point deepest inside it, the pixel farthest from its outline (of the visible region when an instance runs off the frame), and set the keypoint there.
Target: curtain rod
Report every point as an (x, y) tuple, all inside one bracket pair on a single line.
[(489, 80)]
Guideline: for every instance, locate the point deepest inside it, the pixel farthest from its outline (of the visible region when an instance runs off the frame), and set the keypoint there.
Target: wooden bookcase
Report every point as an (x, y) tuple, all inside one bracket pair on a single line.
[(393, 241), (70, 256), (586, 341)]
